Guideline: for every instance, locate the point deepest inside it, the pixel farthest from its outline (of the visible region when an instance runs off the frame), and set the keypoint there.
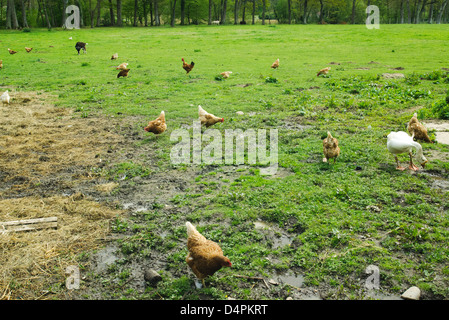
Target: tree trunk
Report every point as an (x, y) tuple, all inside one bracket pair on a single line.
[(254, 12), (304, 17), (156, 14), (223, 14), (135, 13), (111, 13), (119, 13), (236, 12), (442, 8), (264, 5), (415, 11), (244, 10), (64, 14), (183, 11), (98, 13), (145, 13), (151, 14), (431, 13), (354, 2), (409, 12), (172, 23), (402, 11), (91, 13), (44, 6), (8, 15), (15, 22), (321, 11), (289, 3), (24, 14), (420, 12), (209, 20)]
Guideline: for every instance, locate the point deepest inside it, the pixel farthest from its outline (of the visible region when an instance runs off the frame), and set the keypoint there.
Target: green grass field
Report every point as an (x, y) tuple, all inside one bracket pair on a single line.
[(338, 218)]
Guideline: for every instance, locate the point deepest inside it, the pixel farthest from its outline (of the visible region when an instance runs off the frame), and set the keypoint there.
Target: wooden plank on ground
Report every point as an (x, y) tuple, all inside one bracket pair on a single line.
[(28, 224)]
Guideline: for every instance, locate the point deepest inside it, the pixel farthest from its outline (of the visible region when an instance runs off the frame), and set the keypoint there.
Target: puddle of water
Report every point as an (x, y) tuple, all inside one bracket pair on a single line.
[(105, 257), (438, 182), (261, 225), (381, 296), (292, 279), (131, 205), (283, 240), (442, 137), (128, 205), (438, 126), (441, 128)]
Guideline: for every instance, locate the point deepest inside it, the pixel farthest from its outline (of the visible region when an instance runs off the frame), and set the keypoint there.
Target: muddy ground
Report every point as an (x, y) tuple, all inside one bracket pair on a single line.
[(51, 164)]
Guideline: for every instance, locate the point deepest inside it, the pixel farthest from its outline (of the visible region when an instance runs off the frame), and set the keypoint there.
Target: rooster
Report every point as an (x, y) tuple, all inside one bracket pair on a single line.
[(1, 64), (330, 148), (323, 71), (5, 97), (81, 45), (207, 118), (187, 67), (28, 49), (275, 64), (205, 257), (157, 126), (123, 73), (12, 51), (417, 130), (122, 66), (114, 56)]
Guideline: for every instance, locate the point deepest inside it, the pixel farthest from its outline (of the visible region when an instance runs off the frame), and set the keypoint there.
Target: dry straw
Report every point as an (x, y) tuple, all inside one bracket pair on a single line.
[(43, 145)]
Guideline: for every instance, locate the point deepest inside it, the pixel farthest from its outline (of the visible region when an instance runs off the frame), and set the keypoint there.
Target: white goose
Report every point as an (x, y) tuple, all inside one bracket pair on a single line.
[(400, 142)]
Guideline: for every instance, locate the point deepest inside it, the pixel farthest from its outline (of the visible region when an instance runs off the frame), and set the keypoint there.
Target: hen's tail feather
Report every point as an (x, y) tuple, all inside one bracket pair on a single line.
[(190, 229)]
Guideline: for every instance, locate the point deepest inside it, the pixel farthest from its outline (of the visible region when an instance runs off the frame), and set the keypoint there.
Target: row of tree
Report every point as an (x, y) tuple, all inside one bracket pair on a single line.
[(16, 14)]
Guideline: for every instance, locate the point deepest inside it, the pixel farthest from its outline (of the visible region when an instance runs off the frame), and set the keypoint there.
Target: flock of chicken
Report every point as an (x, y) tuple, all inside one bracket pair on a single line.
[(205, 257), (397, 143)]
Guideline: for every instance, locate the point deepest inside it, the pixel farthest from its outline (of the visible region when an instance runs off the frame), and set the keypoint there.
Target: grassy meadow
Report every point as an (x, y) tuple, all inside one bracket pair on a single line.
[(336, 219)]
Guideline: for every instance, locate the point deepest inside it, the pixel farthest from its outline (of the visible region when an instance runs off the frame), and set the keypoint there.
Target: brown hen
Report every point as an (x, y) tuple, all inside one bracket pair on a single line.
[(205, 256), (417, 130), (207, 118), (122, 66), (323, 71), (158, 125), (330, 148)]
